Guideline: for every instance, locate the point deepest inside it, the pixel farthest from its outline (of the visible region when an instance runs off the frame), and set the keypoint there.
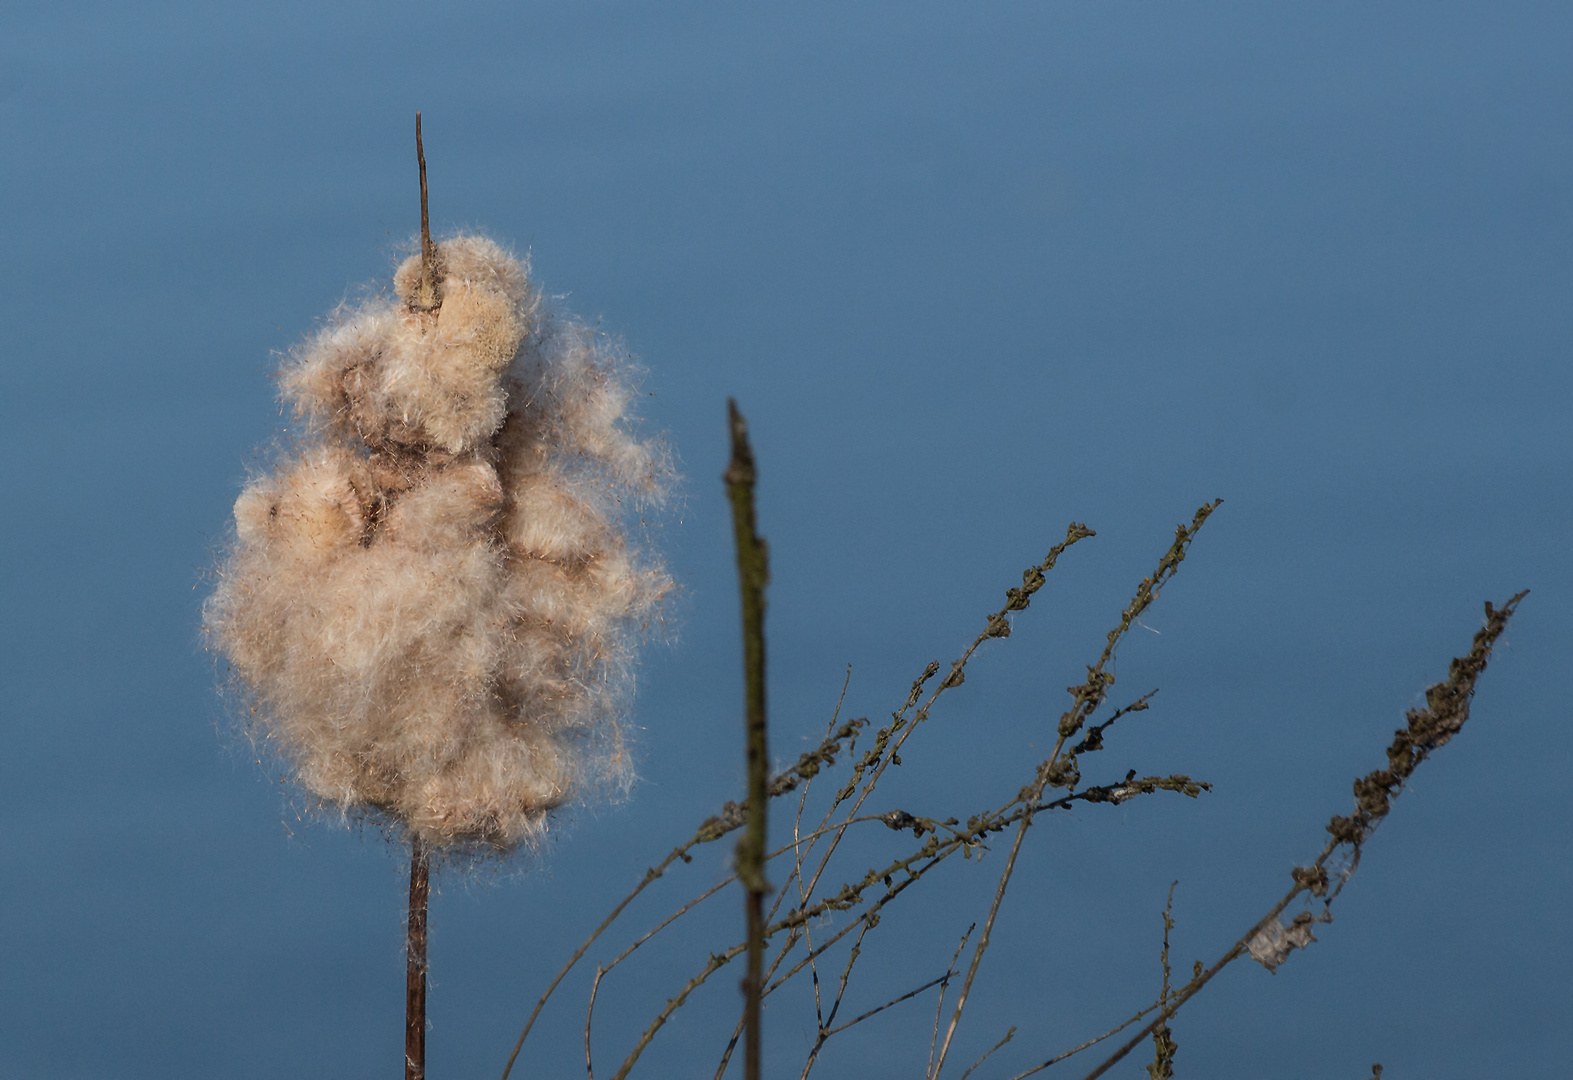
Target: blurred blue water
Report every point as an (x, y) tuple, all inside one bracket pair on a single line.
[(973, 273)]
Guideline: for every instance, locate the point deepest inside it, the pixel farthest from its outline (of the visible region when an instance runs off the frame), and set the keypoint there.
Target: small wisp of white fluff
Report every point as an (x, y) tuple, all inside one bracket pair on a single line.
[(431, 601)]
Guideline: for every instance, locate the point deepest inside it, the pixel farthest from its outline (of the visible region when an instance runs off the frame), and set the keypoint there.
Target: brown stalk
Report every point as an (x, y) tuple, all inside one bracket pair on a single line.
[(428, 297), (797, 875), (589, 1015), (988, 929), (655, 872), (876, 1010), (753, 572), (1007, 1037), (939, 1006), (415, 971), (1073, 1051)]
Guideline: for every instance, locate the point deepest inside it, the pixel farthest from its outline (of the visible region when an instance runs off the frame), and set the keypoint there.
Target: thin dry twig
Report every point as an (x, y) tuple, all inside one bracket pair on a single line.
[(1073, 1051), (909, 995), (797, 862), (939, 1006), (824, 1031), (1009, 1035), (846, 972), (655, 872), (716, 962), (589, 1015), (1093, 740), (983, 940)]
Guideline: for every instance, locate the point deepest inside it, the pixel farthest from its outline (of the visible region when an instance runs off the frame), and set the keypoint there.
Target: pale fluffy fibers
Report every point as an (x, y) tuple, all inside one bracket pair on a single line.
[(431, 600)]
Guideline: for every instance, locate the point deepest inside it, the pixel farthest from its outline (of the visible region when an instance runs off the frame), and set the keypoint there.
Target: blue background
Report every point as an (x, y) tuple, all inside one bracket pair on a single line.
[(973, 271)]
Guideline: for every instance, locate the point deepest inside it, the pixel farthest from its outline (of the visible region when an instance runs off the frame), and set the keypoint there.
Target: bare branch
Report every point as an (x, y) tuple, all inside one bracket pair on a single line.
[(589, 1014), (910, 994), (1073, 1051), (939, 1006), (989, 1053), (983, 940)]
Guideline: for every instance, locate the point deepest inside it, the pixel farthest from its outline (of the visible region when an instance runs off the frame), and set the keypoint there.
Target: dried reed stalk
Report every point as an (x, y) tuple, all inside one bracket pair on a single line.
[(753, 573), (426, 299), (415, 965)]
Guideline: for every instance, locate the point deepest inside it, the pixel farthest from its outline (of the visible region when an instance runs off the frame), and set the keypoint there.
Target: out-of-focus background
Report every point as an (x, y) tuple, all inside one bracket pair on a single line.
[(973, 272)]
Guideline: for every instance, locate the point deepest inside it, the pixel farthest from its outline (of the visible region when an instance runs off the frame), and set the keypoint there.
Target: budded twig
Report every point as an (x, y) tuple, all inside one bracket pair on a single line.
[(1164, 1046)]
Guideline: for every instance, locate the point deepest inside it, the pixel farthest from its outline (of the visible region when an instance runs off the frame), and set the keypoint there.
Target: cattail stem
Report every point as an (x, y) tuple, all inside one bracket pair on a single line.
[(753, 572), (415, 972), (426, 297)]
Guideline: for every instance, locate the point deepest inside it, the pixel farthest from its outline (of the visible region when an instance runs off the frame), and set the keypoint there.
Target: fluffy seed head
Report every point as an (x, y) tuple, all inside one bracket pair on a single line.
[(431, 600)]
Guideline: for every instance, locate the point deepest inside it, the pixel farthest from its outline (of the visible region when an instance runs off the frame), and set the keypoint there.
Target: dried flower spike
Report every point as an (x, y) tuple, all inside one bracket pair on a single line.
[(431, 600)]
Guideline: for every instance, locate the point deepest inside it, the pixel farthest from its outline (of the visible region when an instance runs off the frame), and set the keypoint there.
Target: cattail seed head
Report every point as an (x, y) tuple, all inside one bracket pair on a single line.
[(431, 600)]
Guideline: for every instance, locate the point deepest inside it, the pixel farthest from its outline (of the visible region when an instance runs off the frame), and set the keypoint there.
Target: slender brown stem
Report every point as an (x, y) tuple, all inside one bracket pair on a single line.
[(753, 573), (427, 297), (1073, 1051), (939, 1006), (1008, 1036), (420, 161), (988, 928), (589, 1015), (415, 972)]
